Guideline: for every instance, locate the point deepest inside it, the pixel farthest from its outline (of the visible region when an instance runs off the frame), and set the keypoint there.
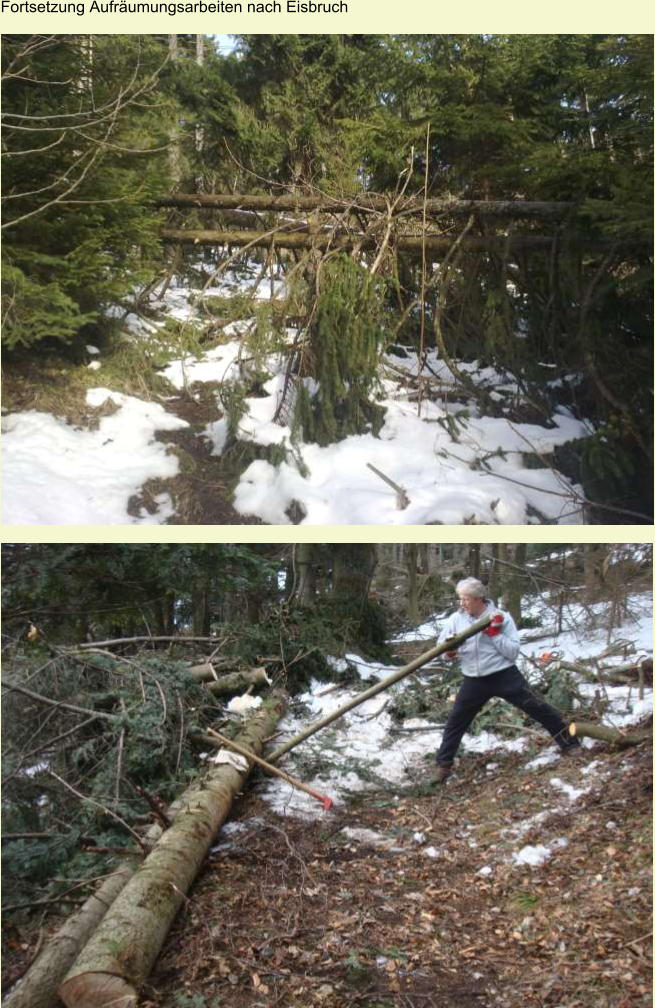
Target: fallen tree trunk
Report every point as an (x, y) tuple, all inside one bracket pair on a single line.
[(207, 670), (347, 242), (178, 639), (383, 684), (235, 681), (587, 729), (119, 956), (38, 988), (409, 205)]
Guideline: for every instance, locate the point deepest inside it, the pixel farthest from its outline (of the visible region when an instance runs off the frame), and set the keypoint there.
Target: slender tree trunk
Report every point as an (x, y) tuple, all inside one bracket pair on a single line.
[(305, 591), (489, 208), (586, 729), (200, 605), (495, 576), (174, 155), (513, 589), (237, 681), (411, 560), (303, 238), (121, 953)]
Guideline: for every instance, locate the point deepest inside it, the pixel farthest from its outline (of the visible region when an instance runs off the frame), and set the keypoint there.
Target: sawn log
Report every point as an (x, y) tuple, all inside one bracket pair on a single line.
[(587, 729), (116, 961)]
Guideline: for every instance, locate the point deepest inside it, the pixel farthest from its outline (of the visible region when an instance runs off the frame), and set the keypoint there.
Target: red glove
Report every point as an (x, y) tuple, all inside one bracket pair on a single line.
[(495, 626)]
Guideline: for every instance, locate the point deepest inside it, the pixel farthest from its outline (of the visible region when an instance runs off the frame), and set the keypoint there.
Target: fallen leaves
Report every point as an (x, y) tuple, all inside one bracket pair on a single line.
[(387, 926)]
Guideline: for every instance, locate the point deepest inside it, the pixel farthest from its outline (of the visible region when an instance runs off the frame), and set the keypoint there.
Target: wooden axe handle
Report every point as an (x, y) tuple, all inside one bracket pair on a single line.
[(325, 801)]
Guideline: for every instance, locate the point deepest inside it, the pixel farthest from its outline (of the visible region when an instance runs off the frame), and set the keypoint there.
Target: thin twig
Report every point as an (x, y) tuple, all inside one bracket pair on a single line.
[(104, 808)]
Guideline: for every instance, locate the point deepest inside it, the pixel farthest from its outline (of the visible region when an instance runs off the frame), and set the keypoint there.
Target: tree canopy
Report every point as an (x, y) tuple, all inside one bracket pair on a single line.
[(96, 128)]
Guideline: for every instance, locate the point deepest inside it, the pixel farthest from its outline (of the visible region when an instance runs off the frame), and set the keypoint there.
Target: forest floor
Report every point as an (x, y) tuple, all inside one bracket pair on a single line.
[(203, 488), (293, 914)]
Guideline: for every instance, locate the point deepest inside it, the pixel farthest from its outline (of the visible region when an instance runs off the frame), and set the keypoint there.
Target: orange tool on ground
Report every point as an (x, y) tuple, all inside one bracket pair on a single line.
[(326, 802)]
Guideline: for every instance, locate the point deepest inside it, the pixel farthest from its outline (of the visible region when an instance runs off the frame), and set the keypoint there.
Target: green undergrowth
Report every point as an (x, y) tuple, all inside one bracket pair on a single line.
[(59, 380)]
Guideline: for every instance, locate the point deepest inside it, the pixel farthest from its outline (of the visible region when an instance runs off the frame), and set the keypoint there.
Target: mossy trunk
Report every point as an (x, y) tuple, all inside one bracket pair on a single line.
[(121, 953), (38, 988)]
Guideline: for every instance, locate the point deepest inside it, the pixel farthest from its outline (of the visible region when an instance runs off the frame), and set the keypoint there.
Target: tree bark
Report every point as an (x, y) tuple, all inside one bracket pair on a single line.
[(409, 205), (513, 582), (38, 988), (172, 638), (347, 242), (352, 570), (121, 953), (305, 587), (586, 729), (411, 560), (238, 681)]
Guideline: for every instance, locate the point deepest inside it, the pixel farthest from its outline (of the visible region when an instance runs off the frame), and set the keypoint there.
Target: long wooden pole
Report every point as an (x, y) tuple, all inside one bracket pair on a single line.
[(449, 645), (326, 802)]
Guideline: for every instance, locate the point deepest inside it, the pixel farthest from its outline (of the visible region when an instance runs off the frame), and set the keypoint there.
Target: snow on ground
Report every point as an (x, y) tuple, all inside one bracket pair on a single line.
[(357, 748), (54, 472), (455, 465), (439, 467)]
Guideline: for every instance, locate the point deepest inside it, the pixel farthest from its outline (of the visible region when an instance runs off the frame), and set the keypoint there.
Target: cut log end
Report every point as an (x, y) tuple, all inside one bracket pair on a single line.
[(97, 990)]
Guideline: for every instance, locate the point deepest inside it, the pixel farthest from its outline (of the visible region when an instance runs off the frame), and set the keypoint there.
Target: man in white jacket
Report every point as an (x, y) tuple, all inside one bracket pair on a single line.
[(488, 671)]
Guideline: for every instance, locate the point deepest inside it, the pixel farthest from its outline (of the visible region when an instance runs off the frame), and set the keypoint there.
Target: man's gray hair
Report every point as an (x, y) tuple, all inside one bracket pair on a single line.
[(471, 586)]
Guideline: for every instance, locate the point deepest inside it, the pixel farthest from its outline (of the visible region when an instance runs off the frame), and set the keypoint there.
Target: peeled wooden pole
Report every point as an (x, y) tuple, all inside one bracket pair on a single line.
[(119, 956), (326, 802), (379, 687)]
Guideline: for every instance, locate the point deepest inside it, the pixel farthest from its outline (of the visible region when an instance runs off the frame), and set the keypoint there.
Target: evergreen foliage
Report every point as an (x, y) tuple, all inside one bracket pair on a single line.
[(83, 143), (95, 126), (345, 342)]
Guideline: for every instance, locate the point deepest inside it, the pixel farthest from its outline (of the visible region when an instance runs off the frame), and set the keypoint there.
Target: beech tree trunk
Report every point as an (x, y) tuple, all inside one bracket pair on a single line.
[(116, 961)]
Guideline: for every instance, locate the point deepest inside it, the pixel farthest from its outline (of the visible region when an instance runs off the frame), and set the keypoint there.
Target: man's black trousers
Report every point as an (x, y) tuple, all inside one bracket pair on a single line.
[(510, 685)]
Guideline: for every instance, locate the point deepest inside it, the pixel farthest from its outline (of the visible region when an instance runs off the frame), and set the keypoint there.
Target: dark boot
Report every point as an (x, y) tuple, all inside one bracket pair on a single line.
[(441, 776)]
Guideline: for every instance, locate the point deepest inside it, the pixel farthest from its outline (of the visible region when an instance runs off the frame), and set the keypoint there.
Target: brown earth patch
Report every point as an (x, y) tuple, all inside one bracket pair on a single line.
[(297, 914)]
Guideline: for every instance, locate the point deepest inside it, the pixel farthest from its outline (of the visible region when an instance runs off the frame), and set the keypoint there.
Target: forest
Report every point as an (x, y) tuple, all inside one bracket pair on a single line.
[(327, 279), (150, 858)]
